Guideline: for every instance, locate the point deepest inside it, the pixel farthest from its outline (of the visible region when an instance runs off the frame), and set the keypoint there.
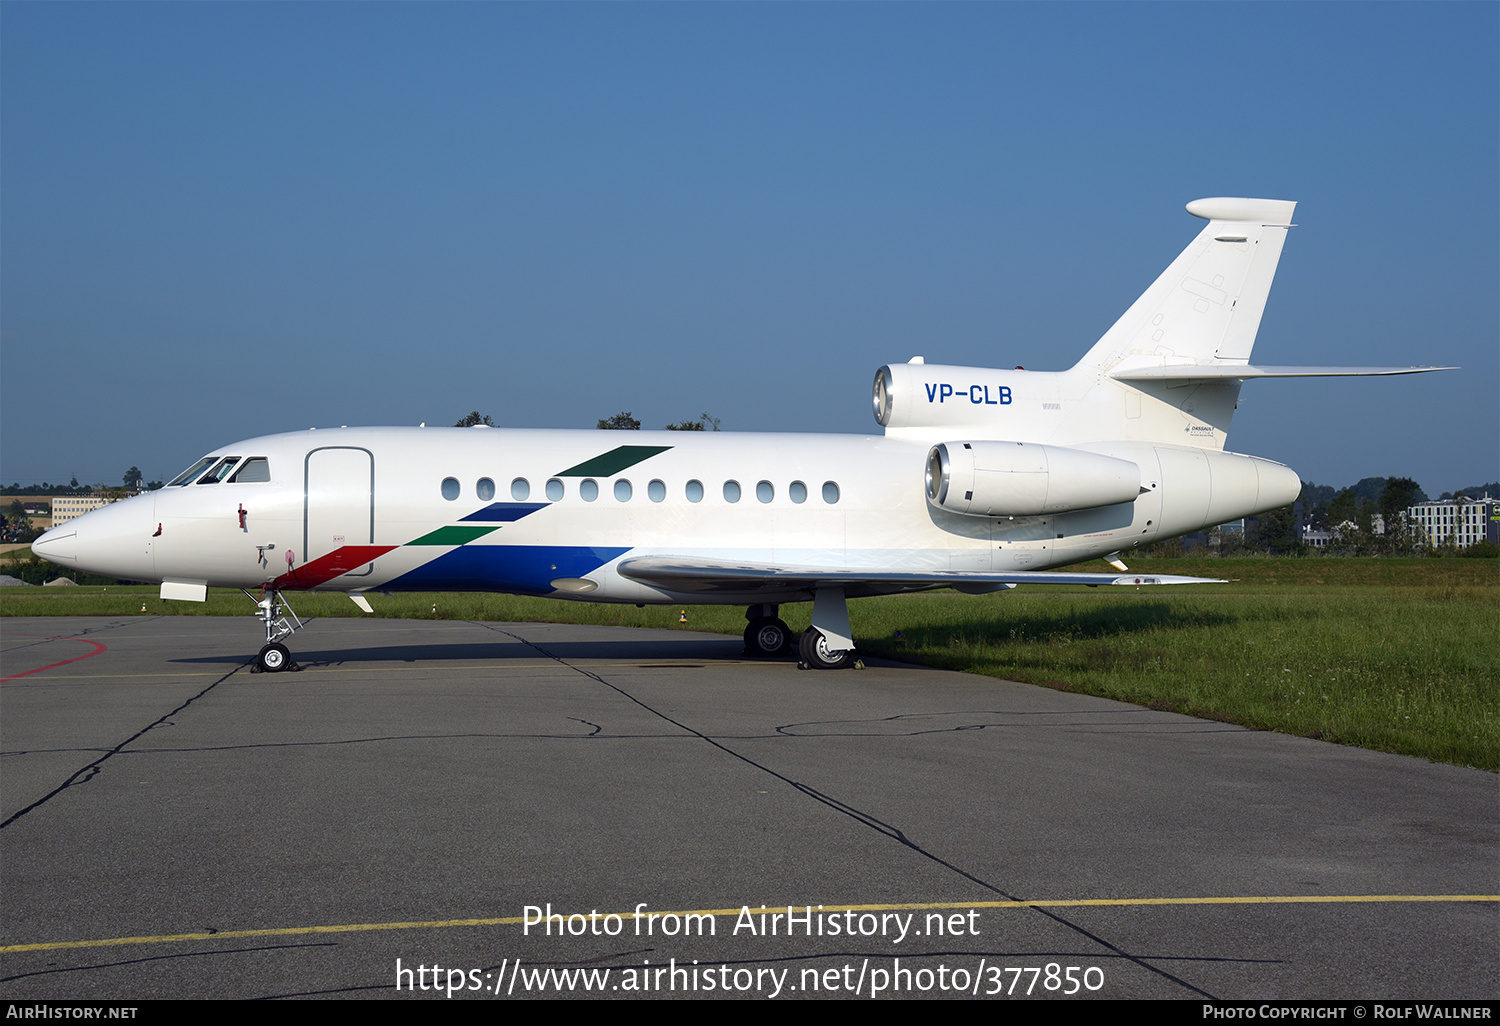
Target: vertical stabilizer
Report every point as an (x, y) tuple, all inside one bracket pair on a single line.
[(1206, 307)]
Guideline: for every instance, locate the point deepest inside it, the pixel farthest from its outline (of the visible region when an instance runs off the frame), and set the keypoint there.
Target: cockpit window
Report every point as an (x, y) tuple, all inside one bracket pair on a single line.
[(189, 475), (253, 471), (220, 472)]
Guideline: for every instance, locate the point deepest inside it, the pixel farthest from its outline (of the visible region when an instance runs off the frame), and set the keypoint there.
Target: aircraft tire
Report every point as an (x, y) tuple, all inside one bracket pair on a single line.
[(273, 658), (816, 654), (767, 636)]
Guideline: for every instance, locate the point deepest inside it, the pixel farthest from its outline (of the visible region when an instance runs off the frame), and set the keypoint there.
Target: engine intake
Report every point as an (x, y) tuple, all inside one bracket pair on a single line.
[(1024, 479)]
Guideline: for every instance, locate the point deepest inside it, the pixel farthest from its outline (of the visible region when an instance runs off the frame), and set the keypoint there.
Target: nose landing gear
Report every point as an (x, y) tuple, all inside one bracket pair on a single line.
[(275, 657)]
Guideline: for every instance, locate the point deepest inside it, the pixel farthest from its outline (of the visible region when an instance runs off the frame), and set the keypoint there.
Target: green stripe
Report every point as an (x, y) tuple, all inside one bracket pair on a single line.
[(453, 535), (614, 461)]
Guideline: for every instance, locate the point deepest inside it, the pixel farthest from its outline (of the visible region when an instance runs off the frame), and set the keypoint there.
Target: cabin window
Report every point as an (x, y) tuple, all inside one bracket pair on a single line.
[(731, 491), (219, 472), (589, 489), (694, 491), (450, 488), (190, 475), (554, 489), (798, 491), (485, 489), (765, 491), (255, 470), (656, 491), (622, 490), (520, 489), (830, 492)]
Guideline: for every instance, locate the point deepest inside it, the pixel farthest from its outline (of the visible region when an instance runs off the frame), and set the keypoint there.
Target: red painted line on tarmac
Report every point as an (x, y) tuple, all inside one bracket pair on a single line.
[(98, 647)]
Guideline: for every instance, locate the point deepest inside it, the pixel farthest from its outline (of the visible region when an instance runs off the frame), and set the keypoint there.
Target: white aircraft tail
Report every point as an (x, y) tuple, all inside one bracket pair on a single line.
[(1169, 371), (1205, 308)]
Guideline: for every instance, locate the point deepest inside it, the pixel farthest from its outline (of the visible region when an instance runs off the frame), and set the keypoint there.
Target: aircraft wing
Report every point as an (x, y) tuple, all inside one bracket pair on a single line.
[(691, 574), (1245, 372)]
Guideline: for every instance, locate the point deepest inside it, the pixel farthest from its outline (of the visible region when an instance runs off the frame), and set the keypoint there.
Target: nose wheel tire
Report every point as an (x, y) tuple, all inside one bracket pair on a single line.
[(767, 636), (816, 654), (273, 658)]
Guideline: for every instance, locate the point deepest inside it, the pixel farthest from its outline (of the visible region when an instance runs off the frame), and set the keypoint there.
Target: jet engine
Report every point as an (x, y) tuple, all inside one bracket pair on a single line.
[(918, 395), (1024, 479)]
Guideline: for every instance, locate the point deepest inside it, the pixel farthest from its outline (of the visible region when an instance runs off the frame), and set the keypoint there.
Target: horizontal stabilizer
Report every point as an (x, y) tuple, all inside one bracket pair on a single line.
[(686, 574), (1245, 372)]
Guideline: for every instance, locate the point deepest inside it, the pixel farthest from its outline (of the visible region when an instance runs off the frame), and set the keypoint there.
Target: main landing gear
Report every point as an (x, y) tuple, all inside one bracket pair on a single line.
[(767, 635), (816, 655), (826, 645), (275, 657)]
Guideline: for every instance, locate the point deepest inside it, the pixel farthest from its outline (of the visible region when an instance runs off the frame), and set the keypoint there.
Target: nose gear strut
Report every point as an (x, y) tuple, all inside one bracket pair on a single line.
[(275, 657)]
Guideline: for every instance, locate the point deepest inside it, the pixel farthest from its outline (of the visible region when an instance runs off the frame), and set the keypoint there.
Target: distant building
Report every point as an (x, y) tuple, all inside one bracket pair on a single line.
[(1316, 537), (1460, 524), (66, 507)]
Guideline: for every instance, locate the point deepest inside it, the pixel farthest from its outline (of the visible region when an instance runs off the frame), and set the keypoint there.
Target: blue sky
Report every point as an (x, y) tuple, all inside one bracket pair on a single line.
[(226, 220)]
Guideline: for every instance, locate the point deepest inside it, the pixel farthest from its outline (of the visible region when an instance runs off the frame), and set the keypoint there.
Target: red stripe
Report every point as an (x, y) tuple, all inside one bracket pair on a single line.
[(325, 568), (53, 637)]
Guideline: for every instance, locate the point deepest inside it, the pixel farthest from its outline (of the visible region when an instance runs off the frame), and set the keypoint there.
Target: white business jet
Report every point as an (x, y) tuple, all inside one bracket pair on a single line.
[(982, 480)]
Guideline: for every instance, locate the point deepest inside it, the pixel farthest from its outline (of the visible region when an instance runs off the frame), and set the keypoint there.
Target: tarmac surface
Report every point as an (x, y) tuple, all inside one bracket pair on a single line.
[(175, 826)]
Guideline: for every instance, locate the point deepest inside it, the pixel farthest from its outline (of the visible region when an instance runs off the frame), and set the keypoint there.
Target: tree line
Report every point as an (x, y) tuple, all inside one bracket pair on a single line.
[(131, 482)]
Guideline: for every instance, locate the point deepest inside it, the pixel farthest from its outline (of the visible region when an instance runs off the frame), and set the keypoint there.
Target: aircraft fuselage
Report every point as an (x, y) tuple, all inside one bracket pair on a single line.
[(552, 512)]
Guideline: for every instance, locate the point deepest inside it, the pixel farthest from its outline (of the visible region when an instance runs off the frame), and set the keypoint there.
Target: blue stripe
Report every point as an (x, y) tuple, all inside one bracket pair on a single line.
[(506, 512), (521, 569)]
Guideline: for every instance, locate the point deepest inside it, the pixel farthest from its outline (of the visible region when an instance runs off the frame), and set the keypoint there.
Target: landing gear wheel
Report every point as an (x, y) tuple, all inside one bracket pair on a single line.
[(273, 658), (817, 655), (767, 636)]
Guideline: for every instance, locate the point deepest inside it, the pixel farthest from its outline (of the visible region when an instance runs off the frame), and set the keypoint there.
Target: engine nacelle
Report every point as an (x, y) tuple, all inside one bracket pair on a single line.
[(1024, 479), (916, 395)]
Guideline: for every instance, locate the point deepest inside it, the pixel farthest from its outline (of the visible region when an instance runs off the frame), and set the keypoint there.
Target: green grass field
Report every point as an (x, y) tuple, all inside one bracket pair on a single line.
[(1400, 655)]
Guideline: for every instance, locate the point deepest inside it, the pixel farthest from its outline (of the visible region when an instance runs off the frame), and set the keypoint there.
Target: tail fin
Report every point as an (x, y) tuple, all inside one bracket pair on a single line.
[(1206, 307)]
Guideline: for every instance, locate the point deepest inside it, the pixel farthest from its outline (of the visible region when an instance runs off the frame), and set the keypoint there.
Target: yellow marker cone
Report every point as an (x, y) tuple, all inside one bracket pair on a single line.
[(682, 616)]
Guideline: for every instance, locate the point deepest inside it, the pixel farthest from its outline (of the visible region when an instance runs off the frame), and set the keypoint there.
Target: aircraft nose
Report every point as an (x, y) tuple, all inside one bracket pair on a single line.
[(114, 540), (58, 544)]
